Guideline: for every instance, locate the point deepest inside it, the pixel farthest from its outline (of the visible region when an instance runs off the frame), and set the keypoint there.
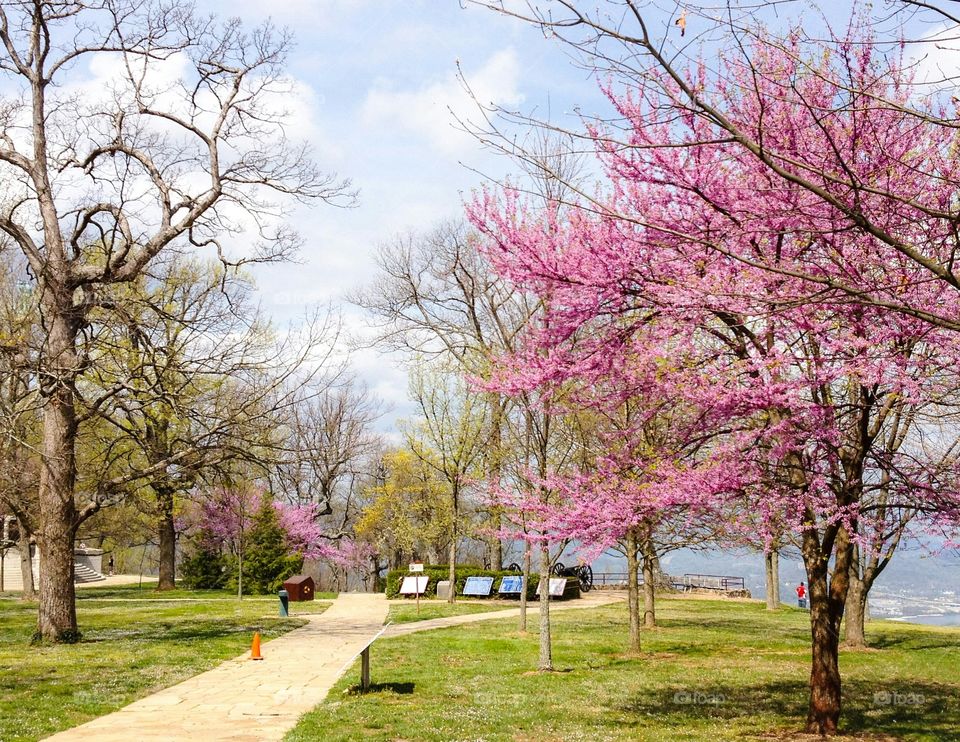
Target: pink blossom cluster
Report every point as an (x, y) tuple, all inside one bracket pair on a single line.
[(774, 310), (225, 516)]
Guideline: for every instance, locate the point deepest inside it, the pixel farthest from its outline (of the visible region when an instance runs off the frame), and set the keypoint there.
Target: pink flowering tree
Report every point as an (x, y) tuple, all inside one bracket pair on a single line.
[(224, 517), (710, 277)]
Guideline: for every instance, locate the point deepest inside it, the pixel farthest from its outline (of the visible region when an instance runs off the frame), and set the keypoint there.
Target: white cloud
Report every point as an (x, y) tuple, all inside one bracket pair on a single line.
[(937, 59), (430, 113)]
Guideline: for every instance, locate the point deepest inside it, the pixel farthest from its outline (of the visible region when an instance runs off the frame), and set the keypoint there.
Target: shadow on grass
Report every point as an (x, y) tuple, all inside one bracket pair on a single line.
[(192, 630), (737, 623), (886, 639), (149, 593), (912, 708), (402, 689)]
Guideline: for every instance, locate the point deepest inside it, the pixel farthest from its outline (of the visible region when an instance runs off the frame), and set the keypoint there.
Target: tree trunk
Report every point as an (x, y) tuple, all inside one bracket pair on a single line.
[(855, 613), (495, 459), (240, 573), (649, 584), (824, 713), (827, 595), (633, 591), (57, 620), (496, 545), (546, 649), (4, 548), (775, 559), (452, 575), (527, 559), (771, 561), (26, 564), (168, 538)]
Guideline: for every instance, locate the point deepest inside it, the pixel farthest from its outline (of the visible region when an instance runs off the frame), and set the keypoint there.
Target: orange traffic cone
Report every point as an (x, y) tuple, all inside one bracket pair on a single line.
[(255, 648)]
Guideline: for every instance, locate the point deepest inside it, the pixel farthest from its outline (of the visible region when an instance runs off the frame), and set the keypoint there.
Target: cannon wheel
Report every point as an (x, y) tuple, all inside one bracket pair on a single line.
[(514, 567), (585, 576), (558, 569)]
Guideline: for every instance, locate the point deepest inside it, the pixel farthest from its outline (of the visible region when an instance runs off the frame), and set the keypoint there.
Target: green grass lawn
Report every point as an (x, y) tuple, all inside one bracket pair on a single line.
[(406, 612), (148, 592), (130, 648), (713, 671)]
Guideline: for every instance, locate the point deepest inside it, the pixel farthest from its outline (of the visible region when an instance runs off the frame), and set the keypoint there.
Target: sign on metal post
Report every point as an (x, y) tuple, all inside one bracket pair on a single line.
[(414, 584), (416, 568)]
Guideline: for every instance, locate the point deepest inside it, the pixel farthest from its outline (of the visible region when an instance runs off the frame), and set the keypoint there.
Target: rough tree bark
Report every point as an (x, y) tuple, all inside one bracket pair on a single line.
[(771, 560), (57, 620), (827, 594), (26, 563), (650, 562), (855, 613), (168, 537), (864, 571)]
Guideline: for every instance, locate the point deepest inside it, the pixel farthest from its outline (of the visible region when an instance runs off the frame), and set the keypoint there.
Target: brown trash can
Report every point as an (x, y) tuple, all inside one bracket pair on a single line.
[(300, 587)]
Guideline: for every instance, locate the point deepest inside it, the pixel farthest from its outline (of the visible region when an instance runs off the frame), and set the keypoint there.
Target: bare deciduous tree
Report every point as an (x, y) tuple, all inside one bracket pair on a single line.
[(182, 146), (189, 377), (434, 295), (453, 425), (330, 446)]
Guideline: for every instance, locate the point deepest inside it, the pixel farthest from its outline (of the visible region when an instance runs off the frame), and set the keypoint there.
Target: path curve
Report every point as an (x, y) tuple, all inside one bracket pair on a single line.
[(588, 600), (250, 701)]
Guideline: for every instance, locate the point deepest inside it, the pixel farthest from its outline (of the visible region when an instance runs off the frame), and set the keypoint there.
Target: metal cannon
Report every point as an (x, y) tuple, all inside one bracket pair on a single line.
[(583, 573)]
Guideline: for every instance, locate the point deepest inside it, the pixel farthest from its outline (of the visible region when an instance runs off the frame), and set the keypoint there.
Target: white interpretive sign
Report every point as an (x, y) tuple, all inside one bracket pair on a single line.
[(557, 586), (414, 585)]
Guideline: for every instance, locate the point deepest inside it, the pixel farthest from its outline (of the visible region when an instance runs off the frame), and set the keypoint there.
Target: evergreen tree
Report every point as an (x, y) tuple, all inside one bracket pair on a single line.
[(205, 569), (268, 560)]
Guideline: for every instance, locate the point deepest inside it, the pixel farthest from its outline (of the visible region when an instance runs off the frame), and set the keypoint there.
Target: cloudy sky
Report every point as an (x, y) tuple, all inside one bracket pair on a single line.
[(377, 95)]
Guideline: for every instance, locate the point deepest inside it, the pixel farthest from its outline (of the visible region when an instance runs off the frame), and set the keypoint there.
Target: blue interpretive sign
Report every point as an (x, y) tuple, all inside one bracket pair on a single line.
[(511, 585), (480, 586)]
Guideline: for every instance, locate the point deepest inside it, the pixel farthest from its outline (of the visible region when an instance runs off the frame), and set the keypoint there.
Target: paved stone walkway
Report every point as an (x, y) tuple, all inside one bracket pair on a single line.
[(248, 701), (119, 580)]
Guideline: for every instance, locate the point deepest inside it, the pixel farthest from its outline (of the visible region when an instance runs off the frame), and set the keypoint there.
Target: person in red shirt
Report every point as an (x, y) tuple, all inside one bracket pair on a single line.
[(801, 595)]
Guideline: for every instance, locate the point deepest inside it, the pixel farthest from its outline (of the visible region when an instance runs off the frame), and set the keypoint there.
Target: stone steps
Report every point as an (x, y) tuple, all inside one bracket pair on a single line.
[(83, 573), (11, 570)]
